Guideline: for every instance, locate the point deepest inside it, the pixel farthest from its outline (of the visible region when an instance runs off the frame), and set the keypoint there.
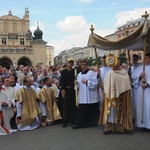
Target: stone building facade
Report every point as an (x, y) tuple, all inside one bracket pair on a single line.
[(17, 45), (127, 29)]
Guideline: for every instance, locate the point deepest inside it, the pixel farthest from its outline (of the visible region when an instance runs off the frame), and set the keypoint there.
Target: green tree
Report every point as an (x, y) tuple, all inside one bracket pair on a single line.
[(92, 61), (99, 60), (122, 58)]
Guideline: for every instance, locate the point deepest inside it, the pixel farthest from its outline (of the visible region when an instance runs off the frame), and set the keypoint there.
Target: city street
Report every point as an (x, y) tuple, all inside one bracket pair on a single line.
[(57, 138)]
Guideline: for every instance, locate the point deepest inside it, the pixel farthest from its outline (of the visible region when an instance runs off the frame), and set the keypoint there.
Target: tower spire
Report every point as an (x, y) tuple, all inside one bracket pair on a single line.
[(26, 12), (37, 25)]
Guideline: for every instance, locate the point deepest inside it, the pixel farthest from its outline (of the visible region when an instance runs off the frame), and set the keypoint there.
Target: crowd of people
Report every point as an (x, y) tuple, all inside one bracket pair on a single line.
[(78, 96)]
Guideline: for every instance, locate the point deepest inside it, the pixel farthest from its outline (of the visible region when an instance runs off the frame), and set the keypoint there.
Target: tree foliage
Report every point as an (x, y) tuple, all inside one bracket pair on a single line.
[(122, 58), (92, 61)]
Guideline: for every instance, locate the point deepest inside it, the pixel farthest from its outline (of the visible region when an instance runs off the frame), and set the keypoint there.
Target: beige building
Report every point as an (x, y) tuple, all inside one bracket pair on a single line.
[(87, 52), (18, 46), (50, 55), (78, 53), (124, 31)]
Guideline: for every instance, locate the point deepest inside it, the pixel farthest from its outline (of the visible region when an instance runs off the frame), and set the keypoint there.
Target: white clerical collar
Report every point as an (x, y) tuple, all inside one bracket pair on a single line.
[(105, 67), (136, 65), (45, 86), (28, 88)]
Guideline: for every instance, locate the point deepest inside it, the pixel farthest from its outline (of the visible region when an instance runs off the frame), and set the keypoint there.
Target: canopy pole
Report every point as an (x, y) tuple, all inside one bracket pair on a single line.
[(98, 66), (96, 55), (76, 86), (129, 59), (143, 79), (97, 61)]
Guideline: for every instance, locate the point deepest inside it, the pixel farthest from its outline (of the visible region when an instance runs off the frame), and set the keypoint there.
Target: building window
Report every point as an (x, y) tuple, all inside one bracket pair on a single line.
[(136, 24), (119, 35), (22, 41), (4, 41), (131, 25), (122, 28), (118, 29)]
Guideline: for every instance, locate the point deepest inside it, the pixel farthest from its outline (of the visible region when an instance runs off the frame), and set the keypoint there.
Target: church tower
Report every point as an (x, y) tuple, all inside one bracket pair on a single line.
[(39, 46)]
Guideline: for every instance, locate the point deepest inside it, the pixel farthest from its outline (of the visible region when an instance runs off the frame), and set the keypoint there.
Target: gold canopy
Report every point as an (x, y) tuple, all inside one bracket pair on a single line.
[(132, 42)]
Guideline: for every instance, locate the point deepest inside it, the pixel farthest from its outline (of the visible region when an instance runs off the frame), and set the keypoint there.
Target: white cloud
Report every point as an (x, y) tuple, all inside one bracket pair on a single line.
[(72, 24), (34, 27), (86, 1), (77, 29), (123, 17), (77, 33), (59, 45)]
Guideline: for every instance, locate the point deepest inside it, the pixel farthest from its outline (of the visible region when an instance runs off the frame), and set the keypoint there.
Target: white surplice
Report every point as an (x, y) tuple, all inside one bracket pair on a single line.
[(88, 92), (103, 71), (34, 125), (10, 91), (135, 69), (146, 114), (5, 111)]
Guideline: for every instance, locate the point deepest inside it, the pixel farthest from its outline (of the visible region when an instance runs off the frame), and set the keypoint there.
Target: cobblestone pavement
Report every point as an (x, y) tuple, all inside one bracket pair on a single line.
[(57, 138)]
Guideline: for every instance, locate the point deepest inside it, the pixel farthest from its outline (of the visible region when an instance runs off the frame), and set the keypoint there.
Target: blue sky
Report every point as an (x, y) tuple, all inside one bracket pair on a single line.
[(66, 23)]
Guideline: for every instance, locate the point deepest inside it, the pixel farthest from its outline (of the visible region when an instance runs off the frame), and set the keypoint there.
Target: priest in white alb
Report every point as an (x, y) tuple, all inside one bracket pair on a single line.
[(88, 111), (103, 71), (4, 111), (143, 105)]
